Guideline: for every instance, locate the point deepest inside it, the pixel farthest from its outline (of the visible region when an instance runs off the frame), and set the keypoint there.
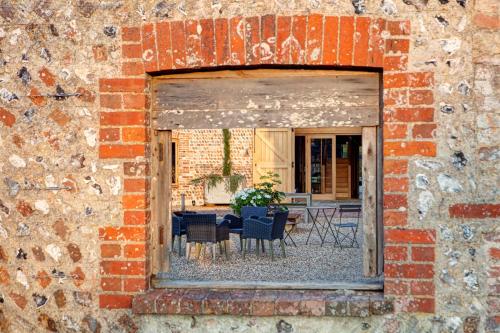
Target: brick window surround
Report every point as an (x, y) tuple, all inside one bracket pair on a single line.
[(318, 40)]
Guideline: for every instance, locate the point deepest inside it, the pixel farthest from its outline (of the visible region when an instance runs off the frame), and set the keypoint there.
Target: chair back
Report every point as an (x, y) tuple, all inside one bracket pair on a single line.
[(279, 222), (350, 209), (248, 211), (201, 228)]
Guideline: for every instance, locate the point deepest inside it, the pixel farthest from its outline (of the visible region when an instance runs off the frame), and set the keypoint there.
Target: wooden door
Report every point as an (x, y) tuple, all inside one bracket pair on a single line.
[(274, 151), (328, 189)]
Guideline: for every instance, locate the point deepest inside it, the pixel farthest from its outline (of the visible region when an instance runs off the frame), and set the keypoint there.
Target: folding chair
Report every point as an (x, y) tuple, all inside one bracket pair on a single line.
[(350, 227)]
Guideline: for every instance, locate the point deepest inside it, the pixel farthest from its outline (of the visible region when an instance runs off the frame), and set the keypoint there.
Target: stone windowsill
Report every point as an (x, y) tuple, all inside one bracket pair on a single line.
[(262, 303)]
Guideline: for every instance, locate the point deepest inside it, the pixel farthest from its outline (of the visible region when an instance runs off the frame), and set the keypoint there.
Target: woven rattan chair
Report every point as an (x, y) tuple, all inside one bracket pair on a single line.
[(265, 228), (235, 223), (202, 229), (178, 230)]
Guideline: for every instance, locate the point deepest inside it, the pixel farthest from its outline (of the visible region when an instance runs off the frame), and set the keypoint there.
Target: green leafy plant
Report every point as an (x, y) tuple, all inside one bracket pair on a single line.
[(231, 181), (262, 194)]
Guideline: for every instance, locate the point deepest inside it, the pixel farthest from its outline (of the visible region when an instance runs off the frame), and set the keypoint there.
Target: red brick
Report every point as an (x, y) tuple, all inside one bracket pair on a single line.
[(396, 167), (191, 302), (284, 30), (122, 233), (395, 131), (396, 253), (421, 97), (111, 284), (7, 118), (398, 288), (422, 254), (426, 305), (485, 21), (164, 45), (495, 253), (398, 28), (122, 85), (121, 151), (474, 211), (136, 102), (135, 285), (409, 115), (396, 63), (314, 39), (237, 38), (109, 134), (422, 288), (193, 44), (110, 250), (135, 134), (288, 303), (361, 39), (123, 267), (123, 118), (133, 68), (222, 42), (47, 77), (207, 43), (330, 40), (131, 34), (135, 251), (240, 302), (135, 201), (410, 148), (178, 33), (424, 131), (395, 184), (132, 51), (110, 101), (395, 201), (346, 40), (136, 185), (397, 45), (268, 39), (421, 80), (298, 47), (409, 271), (135, 217), (168, 301), (395, 218), (412, 236), (398, 80), (252, 40), (115, 301), (149, 53), (376, 43), (263, 303)]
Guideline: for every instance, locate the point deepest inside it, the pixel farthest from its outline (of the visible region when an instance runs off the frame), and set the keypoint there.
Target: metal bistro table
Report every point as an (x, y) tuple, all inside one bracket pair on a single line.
[(315, 213)]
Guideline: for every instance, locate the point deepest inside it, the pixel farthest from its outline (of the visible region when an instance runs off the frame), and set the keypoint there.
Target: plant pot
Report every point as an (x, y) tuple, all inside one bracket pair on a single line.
[(218, 195)]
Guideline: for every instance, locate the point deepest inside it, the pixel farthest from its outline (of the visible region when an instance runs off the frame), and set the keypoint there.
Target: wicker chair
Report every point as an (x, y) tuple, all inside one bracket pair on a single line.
[(202, 229), (235, 223), (265, 228), (178, 230)]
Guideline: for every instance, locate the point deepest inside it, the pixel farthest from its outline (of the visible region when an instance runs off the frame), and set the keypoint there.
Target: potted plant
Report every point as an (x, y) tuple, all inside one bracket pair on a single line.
[(219, 187), (263, 194)]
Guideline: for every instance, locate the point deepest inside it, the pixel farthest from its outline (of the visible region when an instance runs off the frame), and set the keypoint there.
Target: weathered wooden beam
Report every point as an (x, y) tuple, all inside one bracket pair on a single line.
[(369, 174)]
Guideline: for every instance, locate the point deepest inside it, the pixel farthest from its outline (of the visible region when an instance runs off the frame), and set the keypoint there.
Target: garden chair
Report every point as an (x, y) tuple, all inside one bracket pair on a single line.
[(348, 230), (235, 223), (178, 230), (202, 229), (265, 228)]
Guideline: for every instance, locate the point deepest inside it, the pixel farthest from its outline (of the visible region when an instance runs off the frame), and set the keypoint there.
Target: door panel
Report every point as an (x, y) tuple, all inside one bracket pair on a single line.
[(274, 151), (320, 166)]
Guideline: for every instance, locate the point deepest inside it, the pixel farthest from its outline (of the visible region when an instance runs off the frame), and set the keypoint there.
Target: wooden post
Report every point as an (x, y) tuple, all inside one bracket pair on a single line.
[(369, 166), (161, 224)]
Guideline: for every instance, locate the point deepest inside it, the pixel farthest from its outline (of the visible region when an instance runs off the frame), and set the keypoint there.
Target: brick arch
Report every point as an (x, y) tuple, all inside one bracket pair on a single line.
[(314, 39)]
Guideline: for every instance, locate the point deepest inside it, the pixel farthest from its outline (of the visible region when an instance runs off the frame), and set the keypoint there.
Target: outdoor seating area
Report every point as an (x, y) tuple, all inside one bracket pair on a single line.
[(218, 245)]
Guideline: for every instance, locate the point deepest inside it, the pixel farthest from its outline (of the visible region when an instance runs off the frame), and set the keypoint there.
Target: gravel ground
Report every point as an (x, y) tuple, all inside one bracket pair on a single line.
[(310, 262)]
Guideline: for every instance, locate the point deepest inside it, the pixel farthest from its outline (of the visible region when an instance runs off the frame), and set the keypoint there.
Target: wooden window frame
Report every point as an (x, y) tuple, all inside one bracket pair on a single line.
[(161, 189)]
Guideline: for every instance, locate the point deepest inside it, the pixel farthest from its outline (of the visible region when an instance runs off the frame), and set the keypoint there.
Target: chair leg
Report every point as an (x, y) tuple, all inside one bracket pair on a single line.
[(226, 245), (241, 244), (179, 244), (263, 247), (188, 250), (173, 243), (244, 247), (271, 249), (282, 244), (220, 247), (198, 250), (257, 249), (214, 251)]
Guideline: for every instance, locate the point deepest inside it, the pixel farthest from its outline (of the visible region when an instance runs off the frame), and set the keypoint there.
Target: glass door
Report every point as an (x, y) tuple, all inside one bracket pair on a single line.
[(321, 166)]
